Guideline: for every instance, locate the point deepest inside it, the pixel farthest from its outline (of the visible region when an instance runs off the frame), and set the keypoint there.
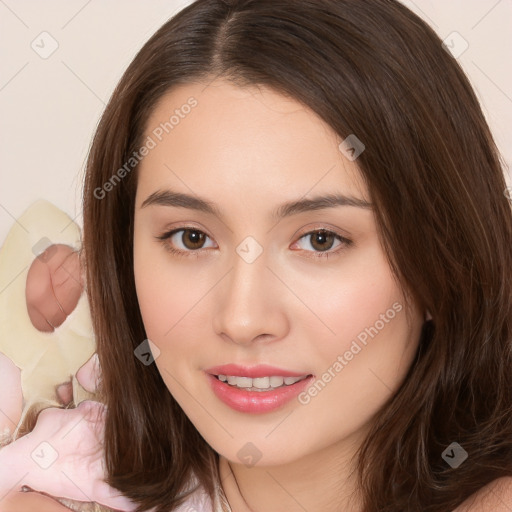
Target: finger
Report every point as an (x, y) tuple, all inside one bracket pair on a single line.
[(94, 413), (44, 311), (89, 374), (67, 282), (64, 393)]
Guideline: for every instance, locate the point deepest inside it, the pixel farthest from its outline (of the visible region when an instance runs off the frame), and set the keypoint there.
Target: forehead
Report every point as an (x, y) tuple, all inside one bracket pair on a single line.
[(217, 137)]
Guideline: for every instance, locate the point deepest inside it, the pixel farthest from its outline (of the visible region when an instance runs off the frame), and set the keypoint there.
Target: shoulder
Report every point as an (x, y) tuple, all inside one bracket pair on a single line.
[(494, 497), (22, 501)]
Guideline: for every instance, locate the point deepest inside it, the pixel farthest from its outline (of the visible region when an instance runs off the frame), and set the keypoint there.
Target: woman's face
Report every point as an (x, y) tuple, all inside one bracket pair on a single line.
[(306, 289)]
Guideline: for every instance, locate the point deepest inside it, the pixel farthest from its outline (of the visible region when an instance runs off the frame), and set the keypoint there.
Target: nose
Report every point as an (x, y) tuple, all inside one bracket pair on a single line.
[(250, 303)]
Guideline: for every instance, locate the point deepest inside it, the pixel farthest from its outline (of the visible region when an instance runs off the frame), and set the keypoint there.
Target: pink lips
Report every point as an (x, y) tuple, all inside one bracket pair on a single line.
[(255, 401)]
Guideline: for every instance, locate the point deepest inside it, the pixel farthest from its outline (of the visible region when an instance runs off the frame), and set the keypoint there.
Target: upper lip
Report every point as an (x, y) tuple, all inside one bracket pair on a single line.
[(261, 370)]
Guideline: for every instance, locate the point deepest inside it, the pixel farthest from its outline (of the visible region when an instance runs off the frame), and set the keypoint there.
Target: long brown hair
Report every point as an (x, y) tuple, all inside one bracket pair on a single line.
[(370, 68)]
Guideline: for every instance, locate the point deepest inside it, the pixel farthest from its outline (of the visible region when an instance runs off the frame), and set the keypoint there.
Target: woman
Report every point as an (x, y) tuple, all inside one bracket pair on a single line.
[(306, 196)]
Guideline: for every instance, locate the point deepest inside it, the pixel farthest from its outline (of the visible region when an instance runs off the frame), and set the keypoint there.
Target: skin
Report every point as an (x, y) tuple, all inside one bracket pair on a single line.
[(30, 501), (248, 151), (494, 497), (54, 285)]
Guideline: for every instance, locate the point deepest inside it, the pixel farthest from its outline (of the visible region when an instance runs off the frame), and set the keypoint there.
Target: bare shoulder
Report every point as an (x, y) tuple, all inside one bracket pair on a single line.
[(30, 501), (494, 497)]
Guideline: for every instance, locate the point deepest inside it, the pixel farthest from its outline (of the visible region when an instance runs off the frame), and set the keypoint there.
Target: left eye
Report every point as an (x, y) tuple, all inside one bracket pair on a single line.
[(322, 240)]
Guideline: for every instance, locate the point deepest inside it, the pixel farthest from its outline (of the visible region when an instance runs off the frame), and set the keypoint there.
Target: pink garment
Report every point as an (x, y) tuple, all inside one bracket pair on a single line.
[(63, 457)]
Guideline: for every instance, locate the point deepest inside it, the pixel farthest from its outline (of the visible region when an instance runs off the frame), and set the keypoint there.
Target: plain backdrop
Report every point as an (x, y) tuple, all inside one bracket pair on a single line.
[(50, 104)]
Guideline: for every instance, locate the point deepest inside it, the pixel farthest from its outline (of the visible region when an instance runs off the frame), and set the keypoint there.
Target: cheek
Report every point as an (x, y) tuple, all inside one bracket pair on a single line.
[(160, 293), (163, 301), (170, 296), (373, 345), (364, 355), (347, 301)]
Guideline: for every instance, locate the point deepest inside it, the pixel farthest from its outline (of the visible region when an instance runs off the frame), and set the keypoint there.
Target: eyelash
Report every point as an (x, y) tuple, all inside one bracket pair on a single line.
[(164, 238)]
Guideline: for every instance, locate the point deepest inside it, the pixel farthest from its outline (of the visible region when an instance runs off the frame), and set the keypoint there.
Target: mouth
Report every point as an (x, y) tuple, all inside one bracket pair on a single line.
[(257, 389)]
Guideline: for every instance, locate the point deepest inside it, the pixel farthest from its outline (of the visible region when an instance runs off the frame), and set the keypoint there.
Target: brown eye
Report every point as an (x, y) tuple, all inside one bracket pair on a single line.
[(322, 240), (192, 238), (184, 241)]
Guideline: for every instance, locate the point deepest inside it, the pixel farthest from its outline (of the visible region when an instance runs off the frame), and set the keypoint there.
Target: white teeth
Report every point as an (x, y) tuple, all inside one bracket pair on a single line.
[(241, 382), (291, 380), (260, 383), (275, 382)]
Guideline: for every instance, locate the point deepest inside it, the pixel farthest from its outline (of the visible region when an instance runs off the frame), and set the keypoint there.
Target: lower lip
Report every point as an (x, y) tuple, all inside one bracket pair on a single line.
[(256, 401)]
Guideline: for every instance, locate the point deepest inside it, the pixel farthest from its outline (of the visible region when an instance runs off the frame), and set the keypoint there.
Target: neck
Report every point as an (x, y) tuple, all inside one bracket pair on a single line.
[(318, 481)]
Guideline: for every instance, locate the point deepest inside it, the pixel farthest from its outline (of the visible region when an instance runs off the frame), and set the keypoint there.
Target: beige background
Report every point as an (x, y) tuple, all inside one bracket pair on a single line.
[(49, 107)]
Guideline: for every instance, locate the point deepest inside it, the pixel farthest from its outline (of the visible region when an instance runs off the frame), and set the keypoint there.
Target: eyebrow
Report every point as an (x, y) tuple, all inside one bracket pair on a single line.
[(181, 200)]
